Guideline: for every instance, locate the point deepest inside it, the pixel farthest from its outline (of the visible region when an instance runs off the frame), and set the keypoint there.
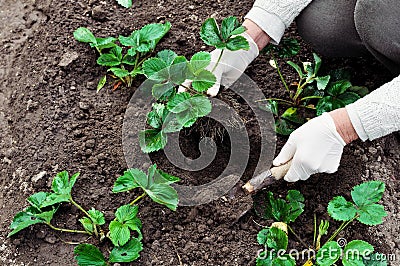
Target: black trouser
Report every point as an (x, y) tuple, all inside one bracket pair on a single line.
[(353, 28)]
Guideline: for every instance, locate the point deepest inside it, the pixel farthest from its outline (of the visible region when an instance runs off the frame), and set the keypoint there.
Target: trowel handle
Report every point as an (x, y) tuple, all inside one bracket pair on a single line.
[(280, 171), (264, 179)]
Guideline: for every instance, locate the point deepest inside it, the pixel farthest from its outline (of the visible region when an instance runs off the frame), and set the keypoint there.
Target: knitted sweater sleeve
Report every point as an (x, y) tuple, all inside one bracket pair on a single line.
[(378, 113), (274, 16)]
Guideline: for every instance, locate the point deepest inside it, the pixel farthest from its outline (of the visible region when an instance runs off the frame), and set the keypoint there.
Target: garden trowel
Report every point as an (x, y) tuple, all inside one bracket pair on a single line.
[(243, 193)]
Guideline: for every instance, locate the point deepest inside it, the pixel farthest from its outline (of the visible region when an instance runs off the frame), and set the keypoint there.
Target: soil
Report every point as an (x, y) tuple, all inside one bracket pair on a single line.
[(52, 119)]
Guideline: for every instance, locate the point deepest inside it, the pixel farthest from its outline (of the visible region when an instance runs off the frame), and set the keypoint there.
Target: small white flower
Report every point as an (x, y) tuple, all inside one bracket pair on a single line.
[(305, 65), (272, 63)]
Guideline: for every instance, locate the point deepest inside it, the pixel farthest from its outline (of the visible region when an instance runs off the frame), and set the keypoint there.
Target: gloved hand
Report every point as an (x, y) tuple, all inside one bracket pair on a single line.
[(316, 147), (230, 67)]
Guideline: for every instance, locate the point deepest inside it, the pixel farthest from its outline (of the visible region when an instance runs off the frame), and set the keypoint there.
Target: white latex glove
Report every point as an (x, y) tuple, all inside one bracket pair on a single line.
[(316, 147), (230, 67)]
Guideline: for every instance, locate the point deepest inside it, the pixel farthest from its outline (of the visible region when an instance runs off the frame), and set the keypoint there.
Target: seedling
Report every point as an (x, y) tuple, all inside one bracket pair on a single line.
[(174, 111), (124, 231), (125, 3), (124, 56), (363, 208), (311, 92)]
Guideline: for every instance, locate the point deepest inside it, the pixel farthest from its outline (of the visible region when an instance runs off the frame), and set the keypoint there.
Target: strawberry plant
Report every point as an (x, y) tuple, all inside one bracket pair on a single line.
[(124, 56), (167, 71), (124, 231), (364, 208), (311, 93)]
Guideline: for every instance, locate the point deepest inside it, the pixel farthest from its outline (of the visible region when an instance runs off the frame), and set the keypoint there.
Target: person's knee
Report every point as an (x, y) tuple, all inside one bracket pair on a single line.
[(378, 24), (328, 25)]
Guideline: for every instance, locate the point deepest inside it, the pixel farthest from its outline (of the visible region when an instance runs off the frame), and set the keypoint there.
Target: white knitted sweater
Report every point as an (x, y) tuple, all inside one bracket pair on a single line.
[(373, 116)]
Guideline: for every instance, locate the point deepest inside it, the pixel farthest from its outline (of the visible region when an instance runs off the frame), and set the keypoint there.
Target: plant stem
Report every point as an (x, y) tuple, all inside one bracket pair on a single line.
[(279, 100), (138, 198), (280, 73), (67, 230), (219, 59), (301, 240), (79, 207), (341, 228), (310, 97), (315, 229)]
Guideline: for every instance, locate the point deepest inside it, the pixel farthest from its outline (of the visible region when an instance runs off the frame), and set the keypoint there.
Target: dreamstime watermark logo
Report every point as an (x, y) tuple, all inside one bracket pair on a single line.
[(329, 253), (135, 121)]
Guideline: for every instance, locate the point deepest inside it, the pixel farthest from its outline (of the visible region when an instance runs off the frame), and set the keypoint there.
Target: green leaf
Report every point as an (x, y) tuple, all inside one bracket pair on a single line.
[(97, 216), (210, 33), (327, 104), (371, 214), (288, 47), (328, 254), (156, 116), (340, 209), (151, 32), (87, 224), (189, 107), (237, 43), (277, 239), (284, 127), (170, 178), (163, 194), (125, 3), (53, 198), (155, 69), (348, 97), (167, 56), (297, 68), (355, 251), (273, 107), (126, 213), (175, 104), (152, 140), (338, 87), (292, 115), (132, 40), (265, 259), (129, 59), (127, 253), (119, 233), (203, 81), (83, 34), (368, 193), (89, 255), (163, 91), (101, 83), (322, 82), (229, 25), (117, 51), (62, 184), (179, 70), (317, 63), (37, 199), (296, 202), (281, 210), (128, 180), (200, 61), (262, 236), (119, 72), (104, 43), (361, 91), (28, 217), (376, 259), (108, 60)]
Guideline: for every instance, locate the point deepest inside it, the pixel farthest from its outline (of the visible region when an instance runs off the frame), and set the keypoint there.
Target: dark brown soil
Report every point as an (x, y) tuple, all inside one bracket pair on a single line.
[(52, 119)]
